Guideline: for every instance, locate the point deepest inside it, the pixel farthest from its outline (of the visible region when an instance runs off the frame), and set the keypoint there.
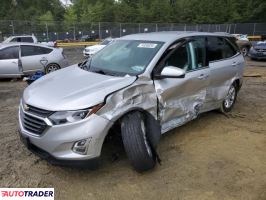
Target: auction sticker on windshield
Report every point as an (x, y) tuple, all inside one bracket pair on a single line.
[(147, 45)]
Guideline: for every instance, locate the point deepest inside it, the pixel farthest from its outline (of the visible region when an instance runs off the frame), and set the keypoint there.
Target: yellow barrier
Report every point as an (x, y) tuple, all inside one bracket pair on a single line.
[(73, 44), (255, 38)]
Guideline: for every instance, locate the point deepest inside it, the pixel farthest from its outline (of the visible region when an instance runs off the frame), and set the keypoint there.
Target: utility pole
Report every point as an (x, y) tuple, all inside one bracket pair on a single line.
[(100, 37), (47, 32), (13, 29), (74, 33)]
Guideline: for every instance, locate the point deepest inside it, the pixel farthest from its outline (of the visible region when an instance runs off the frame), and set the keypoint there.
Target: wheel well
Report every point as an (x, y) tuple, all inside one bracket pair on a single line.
[(53, 64), (114, 133), (237, 84)]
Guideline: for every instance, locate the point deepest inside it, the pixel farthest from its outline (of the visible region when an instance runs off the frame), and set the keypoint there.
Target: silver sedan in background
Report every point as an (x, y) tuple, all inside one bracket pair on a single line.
[(19, 59)]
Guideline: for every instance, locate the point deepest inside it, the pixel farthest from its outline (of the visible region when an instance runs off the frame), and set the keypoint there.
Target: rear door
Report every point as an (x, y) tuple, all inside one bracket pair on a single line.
[(34, 58), (181, 99), (9, 61), (224, 61)]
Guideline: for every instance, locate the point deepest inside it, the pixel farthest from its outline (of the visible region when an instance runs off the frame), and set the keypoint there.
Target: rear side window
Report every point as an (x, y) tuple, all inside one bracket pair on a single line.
[(215, 48), (27, 39), (220, 48), (9, 53), (228, 50), (27, 50)]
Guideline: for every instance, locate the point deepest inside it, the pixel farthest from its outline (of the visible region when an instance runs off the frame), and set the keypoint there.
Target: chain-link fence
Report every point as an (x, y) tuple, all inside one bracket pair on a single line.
[(56, 30)]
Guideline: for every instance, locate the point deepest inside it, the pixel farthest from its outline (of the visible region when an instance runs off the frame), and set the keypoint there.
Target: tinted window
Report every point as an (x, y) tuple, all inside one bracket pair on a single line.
[(34, 50), (180, 58), (215, 48), (228, 50), (9, 53), (16, 40), (105, 42), (27, 39)]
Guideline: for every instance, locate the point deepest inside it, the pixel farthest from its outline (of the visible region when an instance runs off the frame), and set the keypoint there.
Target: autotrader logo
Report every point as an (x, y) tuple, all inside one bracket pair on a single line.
[(27, 193)]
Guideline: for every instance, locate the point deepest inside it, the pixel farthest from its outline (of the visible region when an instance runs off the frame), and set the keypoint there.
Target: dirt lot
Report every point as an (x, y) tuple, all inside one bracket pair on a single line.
[(212, 157)]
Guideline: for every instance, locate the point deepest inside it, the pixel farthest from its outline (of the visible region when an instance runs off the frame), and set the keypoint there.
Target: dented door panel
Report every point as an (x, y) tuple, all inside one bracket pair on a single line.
[(181, 99)]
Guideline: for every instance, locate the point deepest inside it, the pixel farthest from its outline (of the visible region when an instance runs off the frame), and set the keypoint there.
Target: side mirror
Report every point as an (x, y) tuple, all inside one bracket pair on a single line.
[(171, 72)]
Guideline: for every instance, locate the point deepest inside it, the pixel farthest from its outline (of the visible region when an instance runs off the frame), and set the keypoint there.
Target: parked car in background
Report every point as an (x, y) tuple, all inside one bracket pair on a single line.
[(243, 43), (258, 51), (49, 44), (21, 38), (18, 59), (91, 50), (88, 38), (138, 87)]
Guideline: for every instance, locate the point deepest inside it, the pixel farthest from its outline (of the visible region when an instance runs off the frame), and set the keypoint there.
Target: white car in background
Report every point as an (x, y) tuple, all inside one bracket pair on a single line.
[(21, 38), (91, 50), (28, 39), (20, 59), (241, 37)]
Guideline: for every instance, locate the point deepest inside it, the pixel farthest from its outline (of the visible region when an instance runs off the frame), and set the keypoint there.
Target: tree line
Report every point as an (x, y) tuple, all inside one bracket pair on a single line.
[(136, 11)]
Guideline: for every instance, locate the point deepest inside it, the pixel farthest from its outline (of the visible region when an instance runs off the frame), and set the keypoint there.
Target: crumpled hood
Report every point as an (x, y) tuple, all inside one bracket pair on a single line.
[(72, 88)]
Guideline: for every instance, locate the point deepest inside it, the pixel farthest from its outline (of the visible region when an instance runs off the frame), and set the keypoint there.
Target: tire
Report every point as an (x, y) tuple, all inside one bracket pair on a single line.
[(230, 99), (51, 68), (136, 145), (244, 51)]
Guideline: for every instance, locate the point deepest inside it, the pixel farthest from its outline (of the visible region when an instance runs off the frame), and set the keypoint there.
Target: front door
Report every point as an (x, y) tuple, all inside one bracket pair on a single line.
[(181, 99), (9, 62)]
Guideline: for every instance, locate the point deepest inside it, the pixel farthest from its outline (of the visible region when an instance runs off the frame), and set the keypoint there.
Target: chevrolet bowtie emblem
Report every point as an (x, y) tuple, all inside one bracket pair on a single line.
[(26, 107)]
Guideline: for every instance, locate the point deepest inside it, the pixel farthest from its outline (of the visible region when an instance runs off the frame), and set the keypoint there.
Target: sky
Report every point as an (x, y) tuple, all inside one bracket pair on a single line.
[(65, 2)]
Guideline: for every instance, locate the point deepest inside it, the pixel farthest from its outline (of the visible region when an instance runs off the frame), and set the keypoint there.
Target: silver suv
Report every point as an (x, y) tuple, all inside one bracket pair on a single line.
[(141, 86)]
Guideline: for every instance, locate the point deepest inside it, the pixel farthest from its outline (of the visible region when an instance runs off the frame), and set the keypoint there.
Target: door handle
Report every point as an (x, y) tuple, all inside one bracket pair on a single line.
[(203, 76), (235, 64)]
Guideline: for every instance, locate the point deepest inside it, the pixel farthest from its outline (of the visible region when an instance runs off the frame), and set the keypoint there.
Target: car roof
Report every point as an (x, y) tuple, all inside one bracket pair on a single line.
[(170, 36), (22, 36), (3, 45)]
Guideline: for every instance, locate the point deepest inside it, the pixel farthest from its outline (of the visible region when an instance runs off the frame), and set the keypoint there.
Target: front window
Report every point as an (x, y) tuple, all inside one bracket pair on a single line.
[(9, 53), (124, 57)]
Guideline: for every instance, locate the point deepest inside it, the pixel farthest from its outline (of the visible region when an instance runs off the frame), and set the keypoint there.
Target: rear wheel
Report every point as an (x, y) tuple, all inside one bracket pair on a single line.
[(230, 99), (136, 143), (51, 68)]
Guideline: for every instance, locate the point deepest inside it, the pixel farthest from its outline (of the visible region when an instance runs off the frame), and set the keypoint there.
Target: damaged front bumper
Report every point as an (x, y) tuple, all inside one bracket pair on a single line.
[(57, 141)]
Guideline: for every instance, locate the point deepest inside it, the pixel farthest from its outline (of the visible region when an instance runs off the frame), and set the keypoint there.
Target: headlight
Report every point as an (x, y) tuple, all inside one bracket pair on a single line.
[(63, 117)]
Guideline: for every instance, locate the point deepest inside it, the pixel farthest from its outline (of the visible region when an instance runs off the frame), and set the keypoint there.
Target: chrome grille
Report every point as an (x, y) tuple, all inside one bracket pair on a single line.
[(38, 111), (260, 50), (32, 124)]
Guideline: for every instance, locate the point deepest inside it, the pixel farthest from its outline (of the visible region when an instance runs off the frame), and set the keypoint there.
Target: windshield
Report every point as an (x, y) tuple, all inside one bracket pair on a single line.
[(105, 42), (261, 43), (123, 57)]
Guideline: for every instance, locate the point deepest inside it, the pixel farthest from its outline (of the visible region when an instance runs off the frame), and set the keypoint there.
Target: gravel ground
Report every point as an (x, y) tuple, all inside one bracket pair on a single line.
[(213, 157)]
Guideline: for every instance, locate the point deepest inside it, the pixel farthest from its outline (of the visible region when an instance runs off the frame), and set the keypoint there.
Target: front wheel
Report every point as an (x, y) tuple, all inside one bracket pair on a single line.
[(230, 99), (136, 143), (51, 68)]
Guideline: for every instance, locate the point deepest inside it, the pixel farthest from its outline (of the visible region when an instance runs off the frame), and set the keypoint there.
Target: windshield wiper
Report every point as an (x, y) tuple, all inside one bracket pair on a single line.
[(99, 71)]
